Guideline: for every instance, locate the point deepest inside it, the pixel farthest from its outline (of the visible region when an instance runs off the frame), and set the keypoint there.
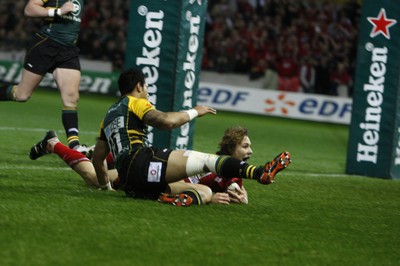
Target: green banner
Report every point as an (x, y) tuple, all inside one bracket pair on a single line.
[(190, 45), (91, 81), (159, 42), (374, 148)]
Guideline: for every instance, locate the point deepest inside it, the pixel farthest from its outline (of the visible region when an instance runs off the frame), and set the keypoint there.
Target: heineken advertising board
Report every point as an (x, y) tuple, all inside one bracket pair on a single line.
[(91, 81), (374, 145), (165, 39)]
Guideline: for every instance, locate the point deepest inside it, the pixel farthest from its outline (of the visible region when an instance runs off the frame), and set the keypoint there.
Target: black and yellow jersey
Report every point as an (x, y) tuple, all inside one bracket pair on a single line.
[(123, 127), (64, 29)]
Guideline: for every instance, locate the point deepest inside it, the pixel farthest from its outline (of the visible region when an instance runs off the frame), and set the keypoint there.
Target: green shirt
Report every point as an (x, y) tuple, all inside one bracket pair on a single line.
[(64, 29), (123, 127)]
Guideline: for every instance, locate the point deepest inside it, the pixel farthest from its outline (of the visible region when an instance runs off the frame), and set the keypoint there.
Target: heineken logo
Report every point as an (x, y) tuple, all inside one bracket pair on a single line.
[(192, 47), (198, 2), (150, 55), (381, 24), (189, 65), (149, 58), (374, 141), (397, 158), (165, 41), (374, 89), (95, 82)]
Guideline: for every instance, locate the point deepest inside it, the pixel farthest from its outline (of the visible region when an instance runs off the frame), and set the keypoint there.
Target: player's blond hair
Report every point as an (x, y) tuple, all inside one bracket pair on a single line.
[(232, 136)]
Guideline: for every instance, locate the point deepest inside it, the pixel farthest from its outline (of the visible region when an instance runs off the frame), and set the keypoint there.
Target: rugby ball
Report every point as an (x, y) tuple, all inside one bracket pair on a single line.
[(235, 186)]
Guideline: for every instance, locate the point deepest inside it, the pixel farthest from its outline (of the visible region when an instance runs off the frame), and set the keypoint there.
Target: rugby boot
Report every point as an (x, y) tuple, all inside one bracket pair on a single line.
[(89, 151), (271, 168), (179, 200), (83, 149), (40, 148)]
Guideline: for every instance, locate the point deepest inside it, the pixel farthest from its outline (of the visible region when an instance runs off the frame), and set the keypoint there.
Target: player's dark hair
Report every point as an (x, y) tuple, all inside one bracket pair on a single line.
[(231, 138), (129, 79)]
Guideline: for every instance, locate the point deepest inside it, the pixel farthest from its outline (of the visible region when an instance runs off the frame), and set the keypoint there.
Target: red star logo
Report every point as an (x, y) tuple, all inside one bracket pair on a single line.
[(381, 24)]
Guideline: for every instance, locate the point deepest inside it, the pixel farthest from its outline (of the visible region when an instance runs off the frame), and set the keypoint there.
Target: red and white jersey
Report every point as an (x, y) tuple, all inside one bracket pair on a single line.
[(213, 181)]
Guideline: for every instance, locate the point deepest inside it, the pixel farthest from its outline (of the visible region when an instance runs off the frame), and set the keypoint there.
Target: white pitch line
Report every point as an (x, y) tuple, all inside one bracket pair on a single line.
[(41, 168), (41, 130), (33, 168), (316, 174), (289, 173)]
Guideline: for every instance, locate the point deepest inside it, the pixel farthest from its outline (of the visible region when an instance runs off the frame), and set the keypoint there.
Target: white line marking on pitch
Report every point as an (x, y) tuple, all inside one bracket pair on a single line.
[(41, 168), (40, 130), (34, 168)]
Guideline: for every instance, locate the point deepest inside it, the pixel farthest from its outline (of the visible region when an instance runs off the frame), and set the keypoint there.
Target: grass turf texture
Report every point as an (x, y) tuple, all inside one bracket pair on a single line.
[(313, 215)]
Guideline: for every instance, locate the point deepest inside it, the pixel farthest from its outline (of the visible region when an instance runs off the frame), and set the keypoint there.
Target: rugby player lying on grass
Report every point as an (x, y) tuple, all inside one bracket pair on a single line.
[(84, 167), (236, 143), (209, 187), (147, 171)]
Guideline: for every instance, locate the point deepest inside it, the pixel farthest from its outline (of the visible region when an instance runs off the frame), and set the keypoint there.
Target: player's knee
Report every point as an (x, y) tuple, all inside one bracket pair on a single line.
[(70, 99), (71, 103), (74, 99), (90, 178), (22, 99), (20, 96)]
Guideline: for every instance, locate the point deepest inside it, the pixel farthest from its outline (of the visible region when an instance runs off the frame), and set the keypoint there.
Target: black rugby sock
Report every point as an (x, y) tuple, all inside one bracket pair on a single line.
[(6, 93), (194, 194), (229, 167), (70, 122)]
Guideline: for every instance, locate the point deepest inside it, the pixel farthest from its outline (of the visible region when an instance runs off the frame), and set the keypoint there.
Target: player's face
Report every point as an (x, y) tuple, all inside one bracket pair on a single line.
[(243, 150), (146, 90)]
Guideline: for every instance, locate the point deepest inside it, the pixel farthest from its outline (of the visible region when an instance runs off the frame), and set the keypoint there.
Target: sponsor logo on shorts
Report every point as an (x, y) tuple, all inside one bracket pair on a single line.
[(154, 172)]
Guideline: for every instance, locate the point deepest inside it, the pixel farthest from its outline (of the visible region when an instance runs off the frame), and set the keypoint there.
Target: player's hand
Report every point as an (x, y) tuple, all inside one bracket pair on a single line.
[(203, 110), (107, 187), (220, 198), (67, 7), (238, 195)]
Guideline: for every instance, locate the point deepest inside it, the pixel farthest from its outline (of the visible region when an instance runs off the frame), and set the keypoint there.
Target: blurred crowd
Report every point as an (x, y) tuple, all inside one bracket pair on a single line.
[(104, 27), (303, 46), (293, 45)]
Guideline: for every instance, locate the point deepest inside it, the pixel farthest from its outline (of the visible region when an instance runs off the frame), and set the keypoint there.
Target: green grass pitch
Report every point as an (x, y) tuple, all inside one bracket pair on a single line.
[(314, 214)]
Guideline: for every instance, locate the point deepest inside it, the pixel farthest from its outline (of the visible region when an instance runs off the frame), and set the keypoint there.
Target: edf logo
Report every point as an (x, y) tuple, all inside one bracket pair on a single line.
[(307, 105), (292, 105), (221, 96), (324, 108)]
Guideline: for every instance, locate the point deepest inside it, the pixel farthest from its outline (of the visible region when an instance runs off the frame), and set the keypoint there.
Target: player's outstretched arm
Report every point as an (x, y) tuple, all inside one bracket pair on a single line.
[(171, 120), (204, 110)]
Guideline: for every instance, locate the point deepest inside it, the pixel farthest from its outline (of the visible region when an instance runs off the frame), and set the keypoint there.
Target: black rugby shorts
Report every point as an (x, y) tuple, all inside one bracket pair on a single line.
[(145, 173), (45, 55)]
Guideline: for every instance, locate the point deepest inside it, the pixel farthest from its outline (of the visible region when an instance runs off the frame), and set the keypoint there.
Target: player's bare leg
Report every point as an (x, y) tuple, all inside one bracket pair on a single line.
[(199, 194), (189, 163), (22, 91), (68, 82), (76, 160)]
